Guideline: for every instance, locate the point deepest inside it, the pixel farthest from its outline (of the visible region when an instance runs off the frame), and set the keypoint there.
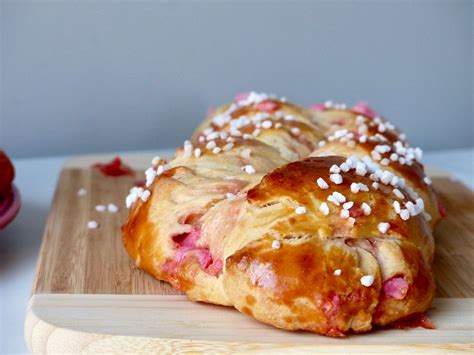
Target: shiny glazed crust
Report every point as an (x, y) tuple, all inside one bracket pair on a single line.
[(251, 225)]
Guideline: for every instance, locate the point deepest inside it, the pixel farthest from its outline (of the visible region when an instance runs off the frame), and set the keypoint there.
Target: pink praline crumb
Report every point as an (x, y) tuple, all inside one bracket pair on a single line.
[(241, 96), (267, 106), (364, 109), (317, 107)]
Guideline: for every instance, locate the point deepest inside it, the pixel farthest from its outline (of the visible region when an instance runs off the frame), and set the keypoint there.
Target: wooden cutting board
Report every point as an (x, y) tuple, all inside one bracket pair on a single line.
[(89, 297)]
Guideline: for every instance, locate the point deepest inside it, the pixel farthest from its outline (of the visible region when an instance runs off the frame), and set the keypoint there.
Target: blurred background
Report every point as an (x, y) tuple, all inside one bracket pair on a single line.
[(104, 76)]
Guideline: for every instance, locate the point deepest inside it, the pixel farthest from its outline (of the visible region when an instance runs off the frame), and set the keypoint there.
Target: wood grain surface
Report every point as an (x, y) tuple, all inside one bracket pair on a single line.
[(75, 259), (89, 297)]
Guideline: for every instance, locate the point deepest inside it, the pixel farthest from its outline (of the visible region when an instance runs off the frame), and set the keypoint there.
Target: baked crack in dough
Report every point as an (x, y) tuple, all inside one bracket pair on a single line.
[(316, 219)]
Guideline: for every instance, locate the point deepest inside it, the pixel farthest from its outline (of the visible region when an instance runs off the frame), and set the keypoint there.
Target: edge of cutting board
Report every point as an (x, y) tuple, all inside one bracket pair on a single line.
[(64, 323)]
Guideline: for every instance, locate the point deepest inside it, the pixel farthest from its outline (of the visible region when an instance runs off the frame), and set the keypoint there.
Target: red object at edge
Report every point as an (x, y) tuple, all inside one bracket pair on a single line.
[(9, 195), (7, 173), (114, 168)]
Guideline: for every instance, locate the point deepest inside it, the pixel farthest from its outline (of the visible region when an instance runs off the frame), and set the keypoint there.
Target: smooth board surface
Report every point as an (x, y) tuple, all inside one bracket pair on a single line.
[(87, 288)]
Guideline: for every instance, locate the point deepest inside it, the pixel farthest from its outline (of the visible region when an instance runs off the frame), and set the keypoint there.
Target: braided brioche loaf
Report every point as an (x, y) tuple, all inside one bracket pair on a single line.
[(316, 219)]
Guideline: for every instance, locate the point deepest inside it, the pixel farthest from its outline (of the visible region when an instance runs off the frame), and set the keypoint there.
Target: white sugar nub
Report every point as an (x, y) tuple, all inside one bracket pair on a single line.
[(337, 272), (130, 200), (420, 203), (188, 149), (395, 180), (367, 280), (236, 133), (336, 178), (339, 197), (411, 207), (92, 225), (211, 145), (150, 175), (212, 136), (348, 205), (112, 208), (208, 130), (276, 244), (81, 192), (322, 184), (376, 155), (295, 130), (344, 213), (216, 150), (345, 167), (197, 152), (418, 154), (355, 187), (366, 209), (145, 195), (341, 133), (249, 169), (300, 210), (360, 120), (155, 160), (383, 227), (361, 168), (427, 180), (160, 170), (386, 177), (404, 214), (334, 169), (100, 208), (396, 206), (324, 208), (398, 193)]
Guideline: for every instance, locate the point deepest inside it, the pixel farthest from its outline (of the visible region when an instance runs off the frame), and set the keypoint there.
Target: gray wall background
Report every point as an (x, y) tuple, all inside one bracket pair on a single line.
[(97, 76)]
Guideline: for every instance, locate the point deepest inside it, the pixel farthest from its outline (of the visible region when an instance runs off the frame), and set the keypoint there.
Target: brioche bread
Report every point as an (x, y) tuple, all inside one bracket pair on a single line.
[(316, 219)]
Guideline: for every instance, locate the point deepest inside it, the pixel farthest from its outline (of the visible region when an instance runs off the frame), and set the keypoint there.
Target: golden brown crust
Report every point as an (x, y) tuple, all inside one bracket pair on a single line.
[(240, 218)]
